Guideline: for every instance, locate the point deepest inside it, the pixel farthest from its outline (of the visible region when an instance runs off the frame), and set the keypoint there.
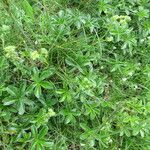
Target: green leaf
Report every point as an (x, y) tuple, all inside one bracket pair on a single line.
[(9, 101), (11, 90), (23, 88), (127, 132), (38, 91), (21, 108), (142, 133), (48, 144), (68, 119), (28, 9), (136, 131), (47, 73), (39, 145), (33, 146), (70, 62), (84, 126), (34, 131), (30, 88), (42, 100), (43, 132), (28, 102), (46, 84)]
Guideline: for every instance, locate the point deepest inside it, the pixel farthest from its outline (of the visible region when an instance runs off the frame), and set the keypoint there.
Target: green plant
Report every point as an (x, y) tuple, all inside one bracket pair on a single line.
[(39, 81), (17, 98), (74, 75)]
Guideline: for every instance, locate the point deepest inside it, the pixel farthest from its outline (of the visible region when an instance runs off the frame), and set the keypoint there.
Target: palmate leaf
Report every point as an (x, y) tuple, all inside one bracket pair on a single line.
[(39, 81), (17, 98), (38, 138)]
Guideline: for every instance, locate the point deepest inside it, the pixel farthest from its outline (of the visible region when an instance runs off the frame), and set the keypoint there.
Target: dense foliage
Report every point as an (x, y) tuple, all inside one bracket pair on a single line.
[(74, 75)]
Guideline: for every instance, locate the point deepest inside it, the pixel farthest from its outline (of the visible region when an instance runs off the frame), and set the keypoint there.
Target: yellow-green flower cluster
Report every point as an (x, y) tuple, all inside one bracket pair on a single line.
[(39, 54), (44, 52), (109, 39), (121, 19), (34, 55), (5, 28), (11, 53), (48, 114), (51, 113)]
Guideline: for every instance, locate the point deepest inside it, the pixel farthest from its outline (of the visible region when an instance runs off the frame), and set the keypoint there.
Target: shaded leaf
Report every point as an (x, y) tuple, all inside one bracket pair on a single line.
[(43, 132)]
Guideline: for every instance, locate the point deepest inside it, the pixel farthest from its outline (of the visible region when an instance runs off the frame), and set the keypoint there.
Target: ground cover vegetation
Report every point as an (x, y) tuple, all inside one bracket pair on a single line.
[(74, 75)]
